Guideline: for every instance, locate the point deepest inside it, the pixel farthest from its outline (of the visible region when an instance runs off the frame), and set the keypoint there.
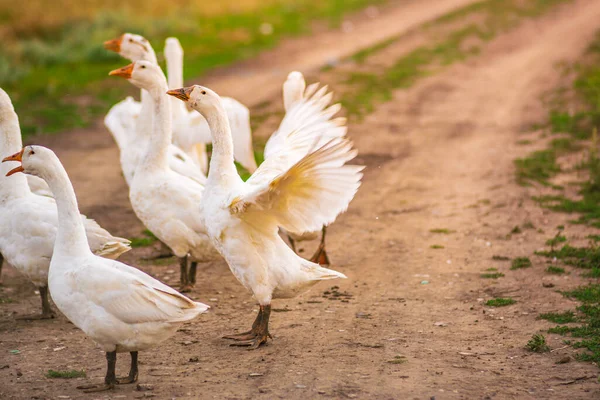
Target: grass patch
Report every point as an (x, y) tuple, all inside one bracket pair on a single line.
[(6, 300), (55, 68), (555, 270), (559, 318), (436, 246), (494, 275), (516, 230), (147, 240), (587, 258), (496, 16), (520, 262), (500, 258), (537, 344), (65, 374), (492, 269), (500, 302), (441, 230), (587, 334), (556, 240)]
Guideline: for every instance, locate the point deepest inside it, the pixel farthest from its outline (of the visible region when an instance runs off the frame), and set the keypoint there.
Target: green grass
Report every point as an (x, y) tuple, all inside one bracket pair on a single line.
[(587, 258), (65, 374), (500, 258), (520, 262), (442, 230), (555, 270), (496, 16), (56, 73), (556, 240), (147, 240), (436, 246), (537, 344), (492, 269), (500, 302), (587, 334), (494, 275), (559, 318)]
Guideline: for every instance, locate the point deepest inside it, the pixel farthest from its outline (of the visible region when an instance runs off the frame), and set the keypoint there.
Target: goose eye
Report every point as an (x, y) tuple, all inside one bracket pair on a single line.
[(130, 40), (143, 66), (31, 152), (203, 92)]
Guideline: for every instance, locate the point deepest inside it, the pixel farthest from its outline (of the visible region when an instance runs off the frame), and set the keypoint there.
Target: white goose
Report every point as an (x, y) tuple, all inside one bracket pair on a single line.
[(300, 188), (28, 222), (190, 130), (130, 122), (166, 202), (118, 306)]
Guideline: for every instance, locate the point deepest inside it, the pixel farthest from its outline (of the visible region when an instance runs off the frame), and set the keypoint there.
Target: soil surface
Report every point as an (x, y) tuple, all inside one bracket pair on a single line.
[(409, 323)]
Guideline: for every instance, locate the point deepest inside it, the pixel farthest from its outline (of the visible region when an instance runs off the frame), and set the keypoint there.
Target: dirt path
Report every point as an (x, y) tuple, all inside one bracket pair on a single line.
[(439, 156)]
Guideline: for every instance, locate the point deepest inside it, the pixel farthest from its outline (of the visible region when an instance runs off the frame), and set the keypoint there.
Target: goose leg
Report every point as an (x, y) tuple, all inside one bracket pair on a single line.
[(133, 371), (110, 380), (183, 275), (46, 309), (320, 256), (248, 334), (260, 330), (192, 273)]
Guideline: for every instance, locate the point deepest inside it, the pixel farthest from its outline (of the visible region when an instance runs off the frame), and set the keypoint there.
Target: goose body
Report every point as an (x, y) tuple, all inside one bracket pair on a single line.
[(165, 201), (118, 306), (300, 188), (28, 221)]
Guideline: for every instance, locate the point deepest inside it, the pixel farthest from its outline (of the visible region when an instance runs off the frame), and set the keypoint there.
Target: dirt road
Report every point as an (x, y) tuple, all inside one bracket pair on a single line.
[(412, 323)]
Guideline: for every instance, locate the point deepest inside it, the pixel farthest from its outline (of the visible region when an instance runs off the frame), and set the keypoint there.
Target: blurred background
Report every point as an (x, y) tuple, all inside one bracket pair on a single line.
[(54, 66)]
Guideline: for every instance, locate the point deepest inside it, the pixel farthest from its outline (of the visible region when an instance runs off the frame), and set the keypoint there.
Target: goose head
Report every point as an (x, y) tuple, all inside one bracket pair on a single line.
[(143, 74), (131, 46), (200, 98), (34, 160)]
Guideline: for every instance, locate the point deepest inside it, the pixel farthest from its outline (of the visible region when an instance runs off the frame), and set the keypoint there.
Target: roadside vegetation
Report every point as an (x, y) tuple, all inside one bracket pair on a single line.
[(54, 66), (572, 125)]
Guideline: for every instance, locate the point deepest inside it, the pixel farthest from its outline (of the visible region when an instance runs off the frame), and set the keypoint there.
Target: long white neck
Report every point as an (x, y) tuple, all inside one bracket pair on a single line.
[(157, 150), (222, 168), (10, 143), (174, 58), (145, 121), (71, 239)]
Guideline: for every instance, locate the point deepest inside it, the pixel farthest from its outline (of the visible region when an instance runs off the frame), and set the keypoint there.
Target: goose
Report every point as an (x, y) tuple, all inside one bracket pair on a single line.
[(130, 122), (118, 306), (301, 188), (163, 200), (28, 222), (190, 130)]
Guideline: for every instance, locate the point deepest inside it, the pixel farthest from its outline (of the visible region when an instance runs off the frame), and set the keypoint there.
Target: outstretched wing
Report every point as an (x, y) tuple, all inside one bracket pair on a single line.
[(308, 195)]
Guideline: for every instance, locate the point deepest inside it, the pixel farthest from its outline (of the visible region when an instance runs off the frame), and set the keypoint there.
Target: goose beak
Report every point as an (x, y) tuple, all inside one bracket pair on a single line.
[(124, 72), (182, 93), (15, 157), (114, 44)]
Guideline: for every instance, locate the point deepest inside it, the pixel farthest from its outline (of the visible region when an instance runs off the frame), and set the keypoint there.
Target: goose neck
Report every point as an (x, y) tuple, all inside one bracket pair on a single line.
[(10, 143), (222, 166)]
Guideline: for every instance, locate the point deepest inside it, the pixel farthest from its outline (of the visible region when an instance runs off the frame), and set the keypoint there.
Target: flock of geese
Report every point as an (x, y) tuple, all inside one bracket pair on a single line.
[(202, 210)]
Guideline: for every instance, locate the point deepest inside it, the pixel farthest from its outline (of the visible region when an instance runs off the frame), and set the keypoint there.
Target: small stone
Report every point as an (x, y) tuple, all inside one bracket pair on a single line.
[(564, 360), (59, 348), (300, 386), (144, 387), (194, 359), (19, 373), (440, 323), (363, 315), (424, 282), (255, 374)]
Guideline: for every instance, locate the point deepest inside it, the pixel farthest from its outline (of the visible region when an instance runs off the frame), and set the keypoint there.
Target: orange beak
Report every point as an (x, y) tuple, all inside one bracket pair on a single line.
[(182, 93), (124, 72), (15, 157), (114, 44)]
